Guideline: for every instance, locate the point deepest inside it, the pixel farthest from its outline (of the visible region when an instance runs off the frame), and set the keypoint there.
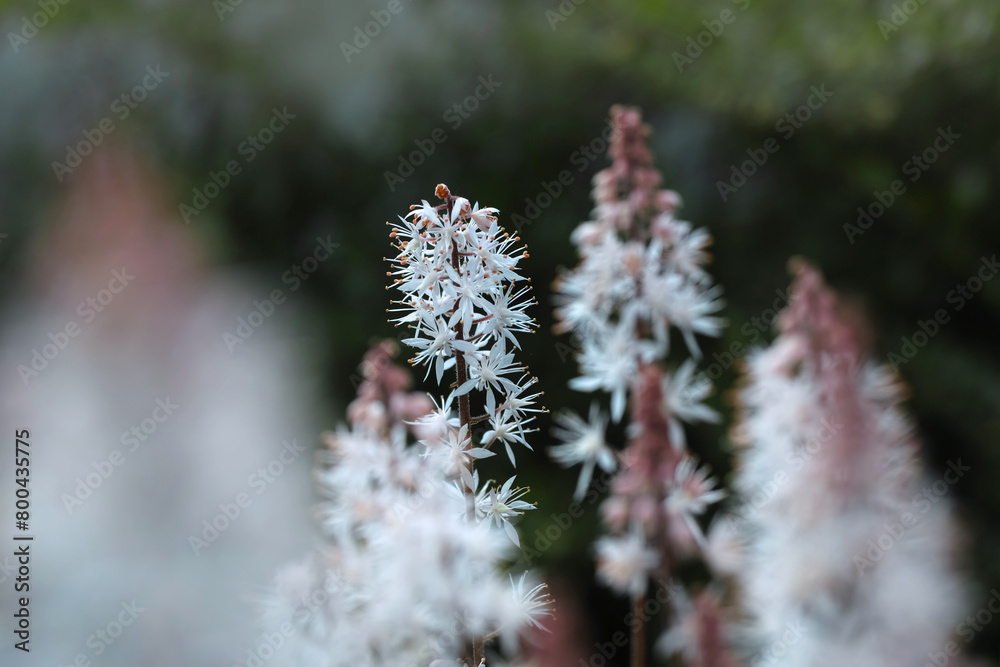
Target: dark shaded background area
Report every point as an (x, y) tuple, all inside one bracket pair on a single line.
[(325, 175)]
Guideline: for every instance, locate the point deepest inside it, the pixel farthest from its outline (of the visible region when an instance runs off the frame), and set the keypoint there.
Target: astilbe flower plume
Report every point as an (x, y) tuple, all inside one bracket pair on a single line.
[(641, 275), (845, 562)]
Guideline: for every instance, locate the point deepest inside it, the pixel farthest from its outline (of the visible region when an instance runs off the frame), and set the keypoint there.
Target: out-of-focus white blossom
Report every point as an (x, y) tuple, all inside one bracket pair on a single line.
[(697, 633), (690, 493), (406, 577), (684, 393), (583, 443), (725, 546), (610, 360), (640, 273), (626, 562), (838, 543)]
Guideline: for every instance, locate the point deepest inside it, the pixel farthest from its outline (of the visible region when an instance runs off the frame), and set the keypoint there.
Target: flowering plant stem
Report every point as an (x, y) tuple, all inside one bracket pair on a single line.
[(461, 372), (457, 270), (638, 631), (478, 650), (465, 419)]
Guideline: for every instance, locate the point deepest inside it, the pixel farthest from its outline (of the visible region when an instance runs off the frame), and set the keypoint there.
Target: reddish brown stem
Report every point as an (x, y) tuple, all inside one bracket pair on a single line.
[(465, 417), (463, 401), (638, 631)]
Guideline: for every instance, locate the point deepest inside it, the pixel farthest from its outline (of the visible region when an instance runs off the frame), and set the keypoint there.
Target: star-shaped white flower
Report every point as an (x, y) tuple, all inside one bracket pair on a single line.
[(583, 443)]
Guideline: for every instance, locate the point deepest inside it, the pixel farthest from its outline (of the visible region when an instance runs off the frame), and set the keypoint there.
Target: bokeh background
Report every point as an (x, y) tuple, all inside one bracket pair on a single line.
[(714, 81)]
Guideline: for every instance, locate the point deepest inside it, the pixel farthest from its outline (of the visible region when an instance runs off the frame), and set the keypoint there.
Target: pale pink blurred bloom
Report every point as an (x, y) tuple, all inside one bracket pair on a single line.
[(381, 399), (698, 633), (625, 563), (832, 467), (159, 338), (562, 644), (615, 512), (725, 547)]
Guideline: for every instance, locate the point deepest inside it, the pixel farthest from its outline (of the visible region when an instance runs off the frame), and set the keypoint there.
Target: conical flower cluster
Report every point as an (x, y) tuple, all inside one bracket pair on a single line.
[(847, 557), (641, 271), (457, 271), (406, 579)]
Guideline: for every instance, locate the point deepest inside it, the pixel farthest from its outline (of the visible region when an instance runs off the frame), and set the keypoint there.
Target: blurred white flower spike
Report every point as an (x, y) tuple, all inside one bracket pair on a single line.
[(415, 579), (845, 547), (417, 546)]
